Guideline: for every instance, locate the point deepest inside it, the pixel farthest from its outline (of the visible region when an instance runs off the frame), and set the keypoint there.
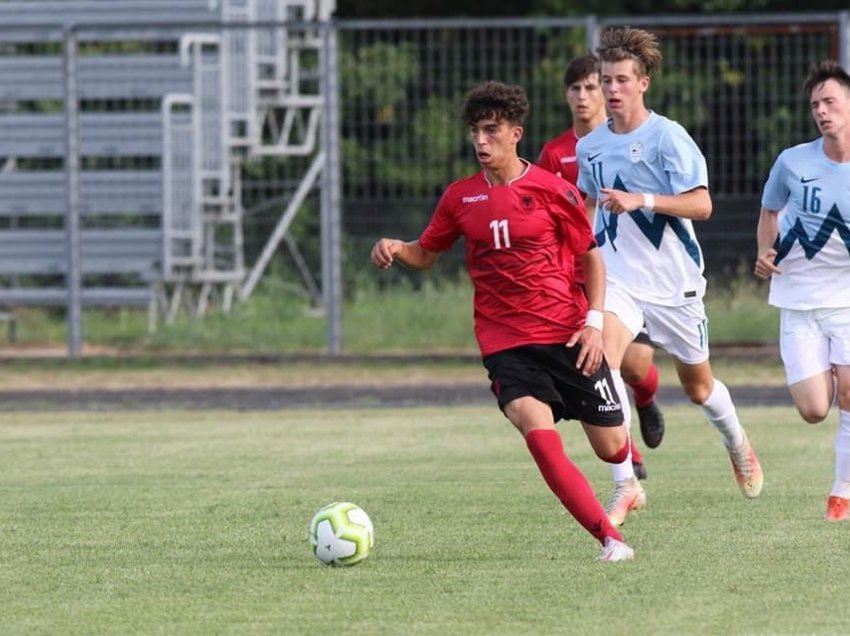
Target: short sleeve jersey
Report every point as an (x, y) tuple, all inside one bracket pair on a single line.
[(521, 239), (558, 156), (813, 193), (654, 257)]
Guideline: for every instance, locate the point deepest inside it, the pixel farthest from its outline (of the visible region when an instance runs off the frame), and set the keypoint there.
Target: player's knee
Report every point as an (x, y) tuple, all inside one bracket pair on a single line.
[(698, 392), (813, 413), (611, 456), (635, 364), (633, 374)]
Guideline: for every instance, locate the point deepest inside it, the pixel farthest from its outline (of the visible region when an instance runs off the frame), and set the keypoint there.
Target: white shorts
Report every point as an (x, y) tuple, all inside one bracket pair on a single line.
[(812, 341), (681, 331)]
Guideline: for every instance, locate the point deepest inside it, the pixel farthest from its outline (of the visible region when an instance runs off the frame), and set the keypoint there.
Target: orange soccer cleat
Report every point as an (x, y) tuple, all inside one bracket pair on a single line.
[(836, 509), (628, 495)]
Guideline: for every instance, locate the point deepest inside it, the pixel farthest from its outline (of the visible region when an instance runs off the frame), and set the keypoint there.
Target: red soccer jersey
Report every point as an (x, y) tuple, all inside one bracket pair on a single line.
[(558, 156), (521, 240)]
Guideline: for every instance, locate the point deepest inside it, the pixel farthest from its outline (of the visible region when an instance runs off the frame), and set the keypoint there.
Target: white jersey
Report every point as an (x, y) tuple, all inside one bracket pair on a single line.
[(813, 193), (654, 257)]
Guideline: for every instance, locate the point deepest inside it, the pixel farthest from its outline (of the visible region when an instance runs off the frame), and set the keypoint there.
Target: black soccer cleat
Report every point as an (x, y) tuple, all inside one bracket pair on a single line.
[(651, 424), (640, 470)]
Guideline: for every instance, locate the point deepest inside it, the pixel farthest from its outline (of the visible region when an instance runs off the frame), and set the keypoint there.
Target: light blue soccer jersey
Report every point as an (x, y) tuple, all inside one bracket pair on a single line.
[(813, 193), (655, 257)]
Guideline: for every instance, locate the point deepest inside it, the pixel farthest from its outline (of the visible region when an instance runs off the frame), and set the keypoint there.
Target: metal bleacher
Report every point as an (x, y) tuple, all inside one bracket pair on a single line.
[(168, 106)]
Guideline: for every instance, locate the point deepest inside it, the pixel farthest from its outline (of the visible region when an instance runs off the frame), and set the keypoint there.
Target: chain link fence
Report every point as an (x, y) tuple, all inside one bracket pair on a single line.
[(733, 81), (388, 94)]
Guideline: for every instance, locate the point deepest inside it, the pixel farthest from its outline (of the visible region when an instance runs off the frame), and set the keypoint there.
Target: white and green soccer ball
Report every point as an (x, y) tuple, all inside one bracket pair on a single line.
[(341, 533)]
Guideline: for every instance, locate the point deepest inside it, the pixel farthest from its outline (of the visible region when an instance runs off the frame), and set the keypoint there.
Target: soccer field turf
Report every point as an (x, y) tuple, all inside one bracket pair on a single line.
[(196, 523)]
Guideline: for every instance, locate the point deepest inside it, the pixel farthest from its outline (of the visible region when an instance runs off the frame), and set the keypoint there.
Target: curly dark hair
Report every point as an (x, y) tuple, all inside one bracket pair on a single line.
[(616, 45), (824, 70), (497, 100)]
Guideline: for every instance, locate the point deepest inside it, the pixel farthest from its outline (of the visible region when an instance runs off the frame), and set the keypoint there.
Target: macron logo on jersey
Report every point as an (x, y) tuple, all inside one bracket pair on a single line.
[(475, 199), (568, 159)]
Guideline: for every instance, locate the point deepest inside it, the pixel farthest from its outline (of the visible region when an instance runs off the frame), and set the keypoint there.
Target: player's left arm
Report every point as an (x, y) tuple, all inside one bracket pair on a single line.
[(694, 204), (589, 339)]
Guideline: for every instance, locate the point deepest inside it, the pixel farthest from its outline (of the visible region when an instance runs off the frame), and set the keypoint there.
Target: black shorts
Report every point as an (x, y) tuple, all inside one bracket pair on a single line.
[(549, 373), (643, 338)]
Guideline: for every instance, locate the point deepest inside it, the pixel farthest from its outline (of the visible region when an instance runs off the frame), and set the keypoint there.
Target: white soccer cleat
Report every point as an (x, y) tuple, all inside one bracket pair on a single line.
[(628, 495), (747, 469), (614, 550)]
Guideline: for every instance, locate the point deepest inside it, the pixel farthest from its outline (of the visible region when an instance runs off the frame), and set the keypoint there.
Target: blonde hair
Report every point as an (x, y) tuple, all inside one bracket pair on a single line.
[(616, 45)]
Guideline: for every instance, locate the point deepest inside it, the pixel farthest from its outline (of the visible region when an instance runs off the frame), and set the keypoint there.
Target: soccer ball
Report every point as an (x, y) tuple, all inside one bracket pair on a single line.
[(341, 533)]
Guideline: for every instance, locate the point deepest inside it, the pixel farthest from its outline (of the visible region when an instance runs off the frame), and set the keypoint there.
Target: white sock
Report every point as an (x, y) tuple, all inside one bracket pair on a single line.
[(623, 470), (720, 411), (841, 486)]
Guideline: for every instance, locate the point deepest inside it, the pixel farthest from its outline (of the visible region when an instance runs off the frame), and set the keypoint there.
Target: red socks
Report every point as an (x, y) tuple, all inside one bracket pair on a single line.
[(636, 456), (569, 484), (620, 455), (646, 389)]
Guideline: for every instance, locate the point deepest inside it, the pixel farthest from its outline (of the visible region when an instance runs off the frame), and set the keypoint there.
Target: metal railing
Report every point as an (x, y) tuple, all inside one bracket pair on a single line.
[(372, 122)]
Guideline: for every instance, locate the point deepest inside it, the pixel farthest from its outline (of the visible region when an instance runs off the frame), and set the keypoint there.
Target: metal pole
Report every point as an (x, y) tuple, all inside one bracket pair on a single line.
[(282, 226), (591, 32), (331, 192), (73, 276)]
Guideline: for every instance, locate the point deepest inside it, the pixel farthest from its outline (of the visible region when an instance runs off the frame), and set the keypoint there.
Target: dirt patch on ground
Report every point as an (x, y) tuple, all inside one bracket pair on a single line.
[(117, 380), (331, 397)]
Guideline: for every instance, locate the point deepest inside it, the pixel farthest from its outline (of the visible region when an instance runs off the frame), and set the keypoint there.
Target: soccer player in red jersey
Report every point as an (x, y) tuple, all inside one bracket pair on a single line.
[(583, 94), (541, 346)]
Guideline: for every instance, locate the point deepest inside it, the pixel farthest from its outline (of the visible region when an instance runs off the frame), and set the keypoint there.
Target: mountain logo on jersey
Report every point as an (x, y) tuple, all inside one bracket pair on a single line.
[(651, 227), (635, 151), (833, 222)]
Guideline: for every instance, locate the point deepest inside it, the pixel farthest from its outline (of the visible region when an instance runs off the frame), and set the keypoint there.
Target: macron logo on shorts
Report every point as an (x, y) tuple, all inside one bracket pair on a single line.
[(607, 408), (475, 199)]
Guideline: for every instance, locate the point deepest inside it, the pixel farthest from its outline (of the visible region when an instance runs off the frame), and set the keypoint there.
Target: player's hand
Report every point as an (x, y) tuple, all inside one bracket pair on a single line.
[(618, 202), (590, 354), (384, 251), (765, 264)]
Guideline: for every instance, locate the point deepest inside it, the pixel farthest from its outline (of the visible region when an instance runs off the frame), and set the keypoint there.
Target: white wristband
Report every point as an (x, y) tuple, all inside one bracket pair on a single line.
[(649, 202), (595, 319)]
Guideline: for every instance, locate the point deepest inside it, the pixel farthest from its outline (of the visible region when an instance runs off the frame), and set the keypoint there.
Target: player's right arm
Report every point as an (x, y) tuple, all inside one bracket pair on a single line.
[(774, 197), (768, 230), (410, 254)]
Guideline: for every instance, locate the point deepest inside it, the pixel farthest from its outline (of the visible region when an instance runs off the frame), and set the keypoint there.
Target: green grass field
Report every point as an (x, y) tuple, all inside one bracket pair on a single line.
[(195, 523)]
